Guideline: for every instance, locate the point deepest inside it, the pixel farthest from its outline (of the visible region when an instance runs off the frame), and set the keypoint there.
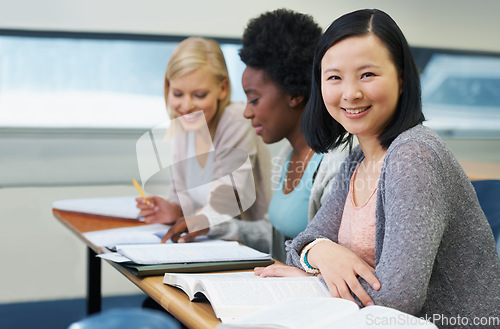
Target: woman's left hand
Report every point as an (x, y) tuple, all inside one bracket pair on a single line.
[(279, 270), (340, 268)]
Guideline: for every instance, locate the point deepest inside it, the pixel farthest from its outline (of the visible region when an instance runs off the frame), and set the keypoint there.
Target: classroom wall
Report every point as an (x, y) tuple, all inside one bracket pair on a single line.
[(41, 259), (444, 23)]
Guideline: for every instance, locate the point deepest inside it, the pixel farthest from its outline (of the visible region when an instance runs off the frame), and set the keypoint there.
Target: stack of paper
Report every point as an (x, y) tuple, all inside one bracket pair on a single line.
[(194, 252), (144, 234)]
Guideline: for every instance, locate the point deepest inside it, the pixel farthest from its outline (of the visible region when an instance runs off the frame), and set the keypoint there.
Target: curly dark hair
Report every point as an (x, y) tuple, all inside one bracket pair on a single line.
[(282, 43)]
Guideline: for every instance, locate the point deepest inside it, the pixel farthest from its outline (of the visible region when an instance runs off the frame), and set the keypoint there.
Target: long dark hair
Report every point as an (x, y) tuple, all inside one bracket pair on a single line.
[(321, 131)]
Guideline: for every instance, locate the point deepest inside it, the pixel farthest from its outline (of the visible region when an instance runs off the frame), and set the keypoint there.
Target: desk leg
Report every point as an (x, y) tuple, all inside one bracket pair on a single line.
[(93, 282)]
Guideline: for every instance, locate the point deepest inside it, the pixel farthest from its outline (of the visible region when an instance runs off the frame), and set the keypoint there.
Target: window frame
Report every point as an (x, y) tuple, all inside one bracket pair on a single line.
[(89, 156)]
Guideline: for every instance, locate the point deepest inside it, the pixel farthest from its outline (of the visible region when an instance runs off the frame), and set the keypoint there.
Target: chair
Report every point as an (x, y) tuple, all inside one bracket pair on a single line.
[(127, 318), (488, 193)]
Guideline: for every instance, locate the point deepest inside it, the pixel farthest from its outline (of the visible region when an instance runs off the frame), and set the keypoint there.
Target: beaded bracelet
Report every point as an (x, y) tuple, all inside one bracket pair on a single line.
[(303, 256)]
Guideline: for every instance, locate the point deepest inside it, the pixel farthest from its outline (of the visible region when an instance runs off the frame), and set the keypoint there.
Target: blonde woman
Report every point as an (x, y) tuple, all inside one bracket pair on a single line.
[(197, 90)]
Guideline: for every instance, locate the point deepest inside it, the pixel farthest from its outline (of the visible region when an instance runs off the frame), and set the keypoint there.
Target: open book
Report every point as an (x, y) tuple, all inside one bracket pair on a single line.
[(326, 313), (119, 207), (233, 295)]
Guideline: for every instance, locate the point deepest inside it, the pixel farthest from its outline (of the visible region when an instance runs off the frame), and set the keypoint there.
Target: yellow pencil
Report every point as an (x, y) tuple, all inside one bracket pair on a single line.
[(139, 189)]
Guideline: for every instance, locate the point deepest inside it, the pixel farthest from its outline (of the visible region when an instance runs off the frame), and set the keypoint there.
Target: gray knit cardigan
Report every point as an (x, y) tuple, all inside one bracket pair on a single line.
[(434, 249)]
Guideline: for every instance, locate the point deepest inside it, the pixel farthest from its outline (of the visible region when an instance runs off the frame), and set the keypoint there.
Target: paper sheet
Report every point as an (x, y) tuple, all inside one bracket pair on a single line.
[(127, 235), (209, 251), (122, 207)]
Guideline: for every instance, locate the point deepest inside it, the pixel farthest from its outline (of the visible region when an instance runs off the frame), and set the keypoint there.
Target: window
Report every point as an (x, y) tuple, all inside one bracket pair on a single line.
[(90, 80), (461, 95), (73, 105)]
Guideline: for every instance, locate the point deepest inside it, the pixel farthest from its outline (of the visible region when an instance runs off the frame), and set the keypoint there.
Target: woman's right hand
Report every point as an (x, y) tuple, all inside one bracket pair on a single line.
[(158, 210), (340, 268), (179, 231), (279, 270)]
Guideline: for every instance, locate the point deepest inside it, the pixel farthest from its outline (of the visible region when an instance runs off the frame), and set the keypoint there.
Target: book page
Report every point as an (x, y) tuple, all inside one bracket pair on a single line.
[(296, 313), (326, 313), (192, 283), (236, 294), (380, 317), (121, 207), (127, 235), (184, 282), (208, 251)]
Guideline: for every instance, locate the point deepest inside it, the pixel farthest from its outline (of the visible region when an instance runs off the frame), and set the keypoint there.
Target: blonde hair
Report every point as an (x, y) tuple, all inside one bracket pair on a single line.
[(193, 53)]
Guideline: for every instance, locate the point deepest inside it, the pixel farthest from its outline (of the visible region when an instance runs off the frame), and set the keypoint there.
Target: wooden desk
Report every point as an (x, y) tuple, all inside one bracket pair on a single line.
[(481, 170), (192, 314)]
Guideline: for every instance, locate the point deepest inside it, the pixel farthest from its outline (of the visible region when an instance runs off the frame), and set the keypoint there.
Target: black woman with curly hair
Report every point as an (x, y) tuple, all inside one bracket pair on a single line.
[(278, 49)]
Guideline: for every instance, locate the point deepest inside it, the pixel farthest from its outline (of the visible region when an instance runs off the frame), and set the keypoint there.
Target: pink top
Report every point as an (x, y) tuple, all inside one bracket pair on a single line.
[(357, 228)]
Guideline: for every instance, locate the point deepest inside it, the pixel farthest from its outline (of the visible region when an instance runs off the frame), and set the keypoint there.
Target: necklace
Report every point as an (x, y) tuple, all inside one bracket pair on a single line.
[(295, 172)]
